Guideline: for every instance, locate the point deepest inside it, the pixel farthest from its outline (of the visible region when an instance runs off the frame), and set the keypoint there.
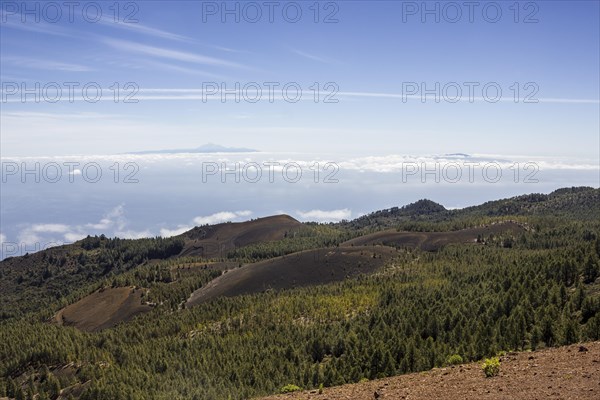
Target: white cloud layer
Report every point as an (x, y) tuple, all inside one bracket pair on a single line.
[(50, 228), (220, 217), (216, 218), (325, 215), (113, 223), (165, 232), (379, 164)]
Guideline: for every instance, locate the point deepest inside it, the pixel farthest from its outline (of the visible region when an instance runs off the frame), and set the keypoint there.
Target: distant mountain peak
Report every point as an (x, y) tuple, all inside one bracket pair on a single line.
[(457, 155)]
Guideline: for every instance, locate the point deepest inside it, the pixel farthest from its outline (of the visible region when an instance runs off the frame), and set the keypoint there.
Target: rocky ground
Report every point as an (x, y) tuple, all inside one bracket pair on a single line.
[(570, 372)]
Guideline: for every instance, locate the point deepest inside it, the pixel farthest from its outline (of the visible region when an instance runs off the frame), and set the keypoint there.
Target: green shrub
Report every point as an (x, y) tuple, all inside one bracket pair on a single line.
[(290, 388), (491, 366), (454, 359)]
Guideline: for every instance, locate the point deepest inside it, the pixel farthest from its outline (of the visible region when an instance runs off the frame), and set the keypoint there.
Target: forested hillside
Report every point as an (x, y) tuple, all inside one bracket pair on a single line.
[(516, 289)]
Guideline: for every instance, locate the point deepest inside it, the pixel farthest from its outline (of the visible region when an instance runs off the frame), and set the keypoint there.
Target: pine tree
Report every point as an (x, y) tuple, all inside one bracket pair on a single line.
[(52, 387), (19, 394), (590, 270), (535, 338), (570, 331), (548, 335), (11, 388)]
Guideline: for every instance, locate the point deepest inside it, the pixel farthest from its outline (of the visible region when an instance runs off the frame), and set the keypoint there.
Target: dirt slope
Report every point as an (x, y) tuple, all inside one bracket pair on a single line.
[(559, 373), (103, 309), (311, 267), (216, 240), (431, 241)]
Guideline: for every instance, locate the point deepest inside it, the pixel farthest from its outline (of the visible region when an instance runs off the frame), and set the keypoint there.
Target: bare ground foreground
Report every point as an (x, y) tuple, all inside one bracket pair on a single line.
[(570, 372)]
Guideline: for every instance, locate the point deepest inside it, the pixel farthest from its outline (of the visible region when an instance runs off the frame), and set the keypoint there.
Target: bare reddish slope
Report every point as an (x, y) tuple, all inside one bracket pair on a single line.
[(216, 240), (310, 267), (431, 241), (103, 309), (559, 373)]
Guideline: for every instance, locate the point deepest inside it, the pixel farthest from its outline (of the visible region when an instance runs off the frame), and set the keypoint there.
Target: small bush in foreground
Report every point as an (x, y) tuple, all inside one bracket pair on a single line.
[(454, 359), (491, 366), (290, 388)]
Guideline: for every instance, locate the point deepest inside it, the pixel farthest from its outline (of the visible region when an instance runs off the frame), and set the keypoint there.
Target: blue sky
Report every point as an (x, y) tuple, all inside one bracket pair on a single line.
[(377, 56), (368, 53)]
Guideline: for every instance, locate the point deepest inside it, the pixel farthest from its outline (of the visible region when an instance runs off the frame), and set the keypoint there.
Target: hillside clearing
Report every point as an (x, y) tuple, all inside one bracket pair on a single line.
[(103, 309)]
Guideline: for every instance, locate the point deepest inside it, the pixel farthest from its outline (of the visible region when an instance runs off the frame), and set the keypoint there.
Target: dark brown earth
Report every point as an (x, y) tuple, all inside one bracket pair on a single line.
[(195, 267), (107, 308), (557, 373), (103, 309), (214, 241), (432, 241), (310, 267)]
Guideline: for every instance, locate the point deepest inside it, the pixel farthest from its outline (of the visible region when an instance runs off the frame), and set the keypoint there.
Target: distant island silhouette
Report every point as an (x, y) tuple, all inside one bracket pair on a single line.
[(206, 148)]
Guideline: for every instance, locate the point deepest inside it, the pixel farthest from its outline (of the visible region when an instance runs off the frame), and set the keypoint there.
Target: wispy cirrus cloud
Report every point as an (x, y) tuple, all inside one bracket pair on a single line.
[(463, 99), (59, 116), (312, 57), (215, 94), (142, 29), (185, 70), (44, 64), (226, 49), (169, 54), (18, 21)]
